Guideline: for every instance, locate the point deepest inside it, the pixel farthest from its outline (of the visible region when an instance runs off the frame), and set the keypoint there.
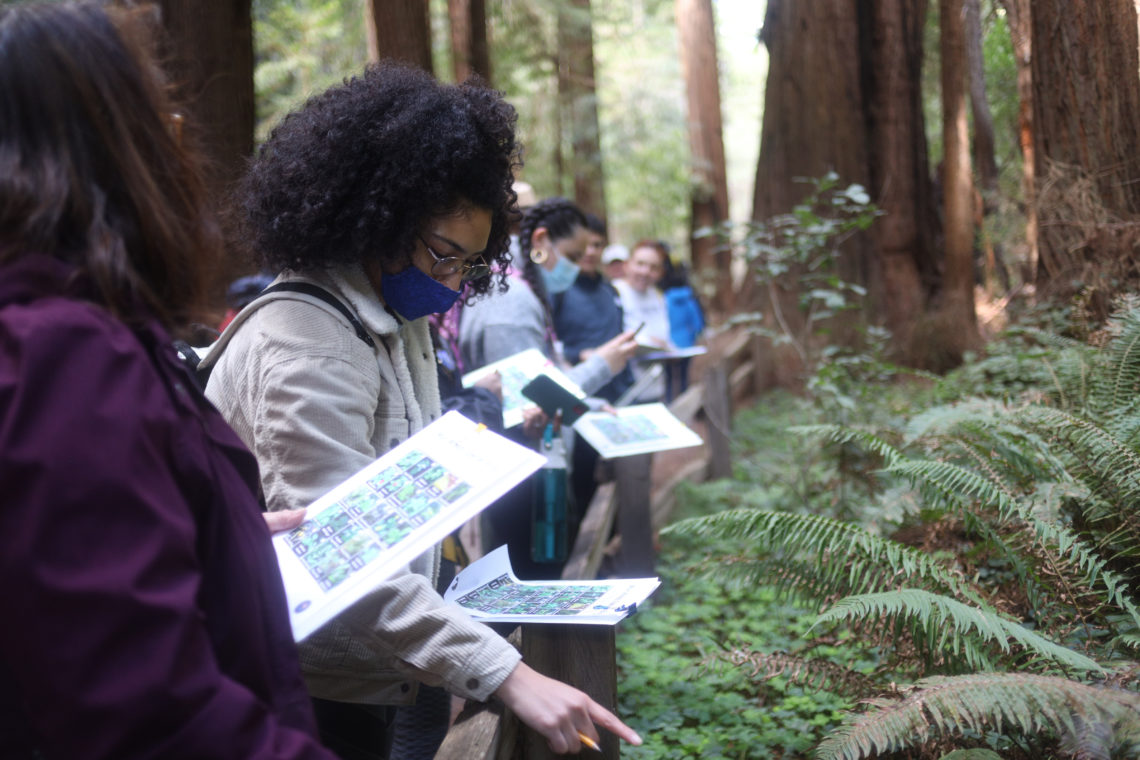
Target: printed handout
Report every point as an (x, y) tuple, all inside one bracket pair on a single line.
[(371, 525), (489, 591), (633, 430), (516, 371)]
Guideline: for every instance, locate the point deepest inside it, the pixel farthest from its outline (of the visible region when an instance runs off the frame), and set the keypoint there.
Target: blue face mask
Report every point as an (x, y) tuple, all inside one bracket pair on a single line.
[(561, 277), (414, 294)]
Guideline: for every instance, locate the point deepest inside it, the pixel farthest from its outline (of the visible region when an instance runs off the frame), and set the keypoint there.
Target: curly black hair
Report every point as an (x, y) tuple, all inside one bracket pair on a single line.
[(561, 218), (358, 171)]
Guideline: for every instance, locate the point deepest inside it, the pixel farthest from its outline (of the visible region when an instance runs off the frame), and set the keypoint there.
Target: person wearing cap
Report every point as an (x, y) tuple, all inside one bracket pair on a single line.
[(613, 261), (240, 292)]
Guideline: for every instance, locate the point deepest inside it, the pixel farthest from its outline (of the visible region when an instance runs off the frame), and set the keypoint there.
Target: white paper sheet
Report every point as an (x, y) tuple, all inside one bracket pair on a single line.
[(518, 370), (635, 430), (489, 591), (371, 525)]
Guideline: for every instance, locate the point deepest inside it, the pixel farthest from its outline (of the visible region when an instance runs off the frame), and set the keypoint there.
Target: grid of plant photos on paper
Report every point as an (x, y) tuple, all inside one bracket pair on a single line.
[(503, 596), (629, 429), (514, 380), (374, 517)]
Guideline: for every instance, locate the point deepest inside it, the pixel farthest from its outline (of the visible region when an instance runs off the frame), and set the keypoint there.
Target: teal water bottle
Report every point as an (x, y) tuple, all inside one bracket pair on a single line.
[(548, 518)]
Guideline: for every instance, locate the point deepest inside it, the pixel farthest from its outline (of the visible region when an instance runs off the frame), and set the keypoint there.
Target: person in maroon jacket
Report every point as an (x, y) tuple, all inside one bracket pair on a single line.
[(143, 612)]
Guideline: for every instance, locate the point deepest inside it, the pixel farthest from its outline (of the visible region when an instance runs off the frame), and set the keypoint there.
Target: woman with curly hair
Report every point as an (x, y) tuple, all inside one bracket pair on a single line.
[(390, 193)]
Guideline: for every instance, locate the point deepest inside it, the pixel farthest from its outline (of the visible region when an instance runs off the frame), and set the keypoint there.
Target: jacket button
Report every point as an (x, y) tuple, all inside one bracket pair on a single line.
[(472, 683), (405, 687)]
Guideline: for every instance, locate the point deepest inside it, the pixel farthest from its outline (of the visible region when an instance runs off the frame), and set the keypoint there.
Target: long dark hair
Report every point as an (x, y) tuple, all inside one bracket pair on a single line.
[(90, 172), (560, 218)]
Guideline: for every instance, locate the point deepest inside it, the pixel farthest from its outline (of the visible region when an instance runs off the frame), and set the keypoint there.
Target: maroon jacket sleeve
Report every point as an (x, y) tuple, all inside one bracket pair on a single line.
[(104, 648)]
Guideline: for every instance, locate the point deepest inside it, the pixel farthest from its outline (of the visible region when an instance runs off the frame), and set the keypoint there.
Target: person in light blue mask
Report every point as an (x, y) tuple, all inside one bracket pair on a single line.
[(553, 237), (379, 202)]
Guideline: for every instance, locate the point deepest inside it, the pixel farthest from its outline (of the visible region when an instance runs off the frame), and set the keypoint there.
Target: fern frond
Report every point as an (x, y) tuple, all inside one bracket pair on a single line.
[(1120, 383), (840, 434), (804, 580), (947, 484), (1105, 460), (1030, 704), (848, 557), (812, 673), (1048, 339), (947, 622), (946, 419)]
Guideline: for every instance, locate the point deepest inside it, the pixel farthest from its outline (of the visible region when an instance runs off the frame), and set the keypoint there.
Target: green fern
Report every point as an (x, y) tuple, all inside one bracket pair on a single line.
[(809, 672), (1029, 704), (866, 559), (947, 625), (1102, 456), (948, 484), (840, 434), (1121, 382)]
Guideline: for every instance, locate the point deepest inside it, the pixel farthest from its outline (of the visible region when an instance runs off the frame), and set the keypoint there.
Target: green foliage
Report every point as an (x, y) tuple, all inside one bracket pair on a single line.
[(799, 253), (871, 563), (640, 102), (1094, 721), (947, 626), (716, 710), (1013, 555), (303, 48)]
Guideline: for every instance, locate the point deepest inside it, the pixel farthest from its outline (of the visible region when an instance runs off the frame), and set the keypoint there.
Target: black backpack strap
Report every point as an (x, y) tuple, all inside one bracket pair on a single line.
[(316, 291)]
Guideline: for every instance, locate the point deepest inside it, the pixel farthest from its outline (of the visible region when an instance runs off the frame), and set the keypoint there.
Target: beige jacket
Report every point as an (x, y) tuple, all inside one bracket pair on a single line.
[(315, 404)]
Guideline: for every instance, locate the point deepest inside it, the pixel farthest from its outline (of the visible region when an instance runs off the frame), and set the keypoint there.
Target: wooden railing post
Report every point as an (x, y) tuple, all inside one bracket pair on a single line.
[(636, 558), (582, 656), (718, 414)]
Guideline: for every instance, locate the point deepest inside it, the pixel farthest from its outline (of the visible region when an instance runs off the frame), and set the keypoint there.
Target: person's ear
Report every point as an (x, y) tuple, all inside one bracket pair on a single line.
[(541, 246), (540, 238)]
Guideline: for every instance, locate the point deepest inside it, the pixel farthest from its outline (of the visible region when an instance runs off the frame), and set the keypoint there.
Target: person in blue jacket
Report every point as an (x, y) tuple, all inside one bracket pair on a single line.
[(686, 322)]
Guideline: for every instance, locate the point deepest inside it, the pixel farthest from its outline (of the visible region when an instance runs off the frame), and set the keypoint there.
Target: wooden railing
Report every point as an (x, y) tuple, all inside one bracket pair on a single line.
[(583, 655)]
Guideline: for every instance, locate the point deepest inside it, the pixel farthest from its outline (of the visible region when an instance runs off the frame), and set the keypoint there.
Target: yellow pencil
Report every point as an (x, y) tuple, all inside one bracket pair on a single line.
[(589, 742)]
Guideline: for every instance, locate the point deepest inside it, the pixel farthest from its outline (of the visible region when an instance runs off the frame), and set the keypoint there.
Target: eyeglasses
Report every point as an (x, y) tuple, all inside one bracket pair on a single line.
[(447, 266)]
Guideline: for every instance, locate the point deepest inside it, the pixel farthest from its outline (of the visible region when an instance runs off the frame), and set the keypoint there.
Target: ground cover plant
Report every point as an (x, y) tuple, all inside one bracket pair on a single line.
[(974, 577)]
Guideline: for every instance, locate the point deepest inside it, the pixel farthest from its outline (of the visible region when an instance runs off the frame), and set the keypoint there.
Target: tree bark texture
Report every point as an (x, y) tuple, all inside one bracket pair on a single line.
[(1020, 31), (400, 30), (696, 32), (210, 61), (469, 51), (208, 53), (579, 98), (957, 184), (1086, 98), (843, 95), (984, 158)]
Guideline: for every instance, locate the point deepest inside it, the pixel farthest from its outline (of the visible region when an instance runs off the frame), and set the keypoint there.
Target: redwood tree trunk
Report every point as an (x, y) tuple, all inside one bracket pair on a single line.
[(697, 37), (864, 122), (898, 168), (1017, 13), (400, 29), (469, 51), (210, 60), (957, 184), (979, 105), (1086, 97), (578, 94)]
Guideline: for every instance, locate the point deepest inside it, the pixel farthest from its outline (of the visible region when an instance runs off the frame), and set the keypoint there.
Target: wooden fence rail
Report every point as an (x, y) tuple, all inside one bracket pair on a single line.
[(584, 656)]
